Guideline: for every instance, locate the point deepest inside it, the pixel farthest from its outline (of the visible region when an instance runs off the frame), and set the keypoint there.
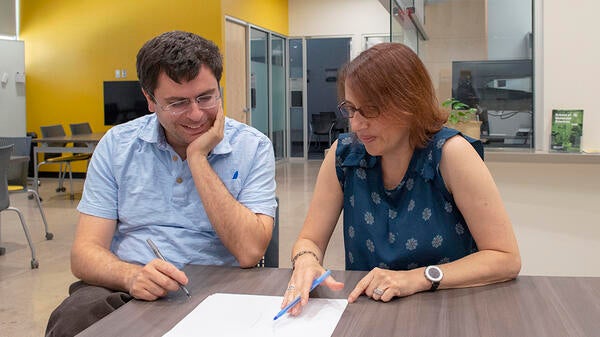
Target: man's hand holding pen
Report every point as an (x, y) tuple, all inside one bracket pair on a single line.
[(155, 280)]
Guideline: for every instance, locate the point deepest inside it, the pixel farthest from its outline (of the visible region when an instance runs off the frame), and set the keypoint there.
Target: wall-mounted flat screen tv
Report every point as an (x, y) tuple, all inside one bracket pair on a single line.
[(123, 101)]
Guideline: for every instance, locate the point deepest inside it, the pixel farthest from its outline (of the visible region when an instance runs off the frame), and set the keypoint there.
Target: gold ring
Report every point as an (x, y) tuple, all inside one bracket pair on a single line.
[(291, 287), (378, 291)]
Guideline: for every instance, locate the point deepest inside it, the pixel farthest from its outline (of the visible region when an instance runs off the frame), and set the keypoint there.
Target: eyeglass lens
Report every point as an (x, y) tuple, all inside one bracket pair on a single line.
[(203, 102), (348, 110)]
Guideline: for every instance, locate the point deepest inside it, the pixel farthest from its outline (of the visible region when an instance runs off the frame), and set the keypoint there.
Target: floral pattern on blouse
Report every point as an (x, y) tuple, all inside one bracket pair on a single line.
[(413, 225)]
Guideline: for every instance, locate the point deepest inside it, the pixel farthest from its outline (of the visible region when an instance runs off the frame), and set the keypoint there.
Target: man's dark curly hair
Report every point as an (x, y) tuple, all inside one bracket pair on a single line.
[(180, 55)]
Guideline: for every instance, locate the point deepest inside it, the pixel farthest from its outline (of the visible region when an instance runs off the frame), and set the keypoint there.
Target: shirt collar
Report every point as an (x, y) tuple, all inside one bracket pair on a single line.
[(153, 132)]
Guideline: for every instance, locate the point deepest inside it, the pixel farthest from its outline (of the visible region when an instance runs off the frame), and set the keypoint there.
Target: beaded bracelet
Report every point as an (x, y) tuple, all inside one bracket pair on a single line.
[(300, 253)]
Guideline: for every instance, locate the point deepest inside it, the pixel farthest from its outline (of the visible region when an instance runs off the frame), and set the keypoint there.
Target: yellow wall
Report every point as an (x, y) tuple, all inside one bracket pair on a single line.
[(268, 14), (72, 46)]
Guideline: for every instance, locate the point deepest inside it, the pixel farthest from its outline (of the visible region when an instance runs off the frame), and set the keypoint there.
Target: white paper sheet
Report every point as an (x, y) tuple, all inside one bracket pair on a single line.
[(252, 315)]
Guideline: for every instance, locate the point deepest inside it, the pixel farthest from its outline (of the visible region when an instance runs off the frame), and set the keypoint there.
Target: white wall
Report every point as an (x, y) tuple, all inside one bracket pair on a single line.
[(555, 212), (12, 95), (508, 25), (571, 66), (8, 22), (351, 18), (555, 207)]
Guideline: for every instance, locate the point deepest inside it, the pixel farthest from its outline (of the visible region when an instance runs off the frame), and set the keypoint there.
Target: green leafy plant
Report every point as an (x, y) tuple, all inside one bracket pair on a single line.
[(459, 111)]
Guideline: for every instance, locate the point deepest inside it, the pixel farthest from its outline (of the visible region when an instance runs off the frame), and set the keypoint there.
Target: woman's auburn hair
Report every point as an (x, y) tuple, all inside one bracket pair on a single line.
[(392, 78)]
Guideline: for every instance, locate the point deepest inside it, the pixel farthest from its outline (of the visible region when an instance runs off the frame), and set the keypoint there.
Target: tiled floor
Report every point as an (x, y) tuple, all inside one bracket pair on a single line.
[(27, 297)]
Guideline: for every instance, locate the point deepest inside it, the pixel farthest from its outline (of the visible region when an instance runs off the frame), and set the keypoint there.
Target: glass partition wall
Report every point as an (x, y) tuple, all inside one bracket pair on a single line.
[(268, 87), (479, 52), (259, 80), (257, 88), (297, 99), (278, 95)]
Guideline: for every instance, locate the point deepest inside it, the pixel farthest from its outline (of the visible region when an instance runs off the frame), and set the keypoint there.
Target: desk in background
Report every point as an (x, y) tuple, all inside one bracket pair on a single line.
[(528, 306), (91, 140), (18, 159)]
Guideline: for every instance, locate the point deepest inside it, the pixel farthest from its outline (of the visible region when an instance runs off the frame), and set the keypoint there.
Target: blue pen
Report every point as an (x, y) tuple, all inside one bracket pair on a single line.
[(315, 283)]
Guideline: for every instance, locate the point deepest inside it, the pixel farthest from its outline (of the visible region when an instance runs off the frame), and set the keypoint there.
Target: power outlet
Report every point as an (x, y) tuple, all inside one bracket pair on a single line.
[(118, 73), (19, 77)]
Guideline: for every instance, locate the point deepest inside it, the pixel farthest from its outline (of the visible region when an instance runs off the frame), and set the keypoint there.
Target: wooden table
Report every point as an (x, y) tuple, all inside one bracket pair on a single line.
[(528, 306)]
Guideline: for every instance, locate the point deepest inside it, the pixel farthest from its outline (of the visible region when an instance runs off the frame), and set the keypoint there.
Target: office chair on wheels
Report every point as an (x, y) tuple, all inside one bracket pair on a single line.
[(5, 152), (320, 125), (58, 158), (338, 124)]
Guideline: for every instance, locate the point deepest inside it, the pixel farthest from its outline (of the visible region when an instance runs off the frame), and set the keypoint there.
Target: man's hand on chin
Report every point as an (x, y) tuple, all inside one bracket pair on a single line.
[(208, 140)]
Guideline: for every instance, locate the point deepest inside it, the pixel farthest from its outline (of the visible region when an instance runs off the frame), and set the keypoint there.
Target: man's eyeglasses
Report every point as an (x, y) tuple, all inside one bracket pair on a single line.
[(204, 102), (348, 110)]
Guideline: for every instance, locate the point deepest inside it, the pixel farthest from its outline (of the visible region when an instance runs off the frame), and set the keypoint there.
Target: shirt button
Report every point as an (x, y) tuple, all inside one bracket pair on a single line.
[(179, 180), (175, 158)]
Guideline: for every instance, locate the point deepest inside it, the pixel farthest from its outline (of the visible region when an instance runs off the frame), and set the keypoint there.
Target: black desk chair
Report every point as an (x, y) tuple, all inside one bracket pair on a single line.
[(339, 124), (320, 125), (5, 152)]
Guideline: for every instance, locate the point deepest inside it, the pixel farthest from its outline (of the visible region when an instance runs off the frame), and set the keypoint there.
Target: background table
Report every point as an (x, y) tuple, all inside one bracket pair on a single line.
[(18, 159), (528, 306), (91, 140)]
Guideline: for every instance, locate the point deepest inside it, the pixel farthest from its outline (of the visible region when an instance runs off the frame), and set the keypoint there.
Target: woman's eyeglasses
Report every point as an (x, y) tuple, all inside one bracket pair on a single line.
[(348, 110)]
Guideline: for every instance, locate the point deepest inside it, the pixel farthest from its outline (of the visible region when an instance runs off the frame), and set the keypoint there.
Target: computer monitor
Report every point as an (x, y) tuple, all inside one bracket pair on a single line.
[(503, 91), (123, 101)]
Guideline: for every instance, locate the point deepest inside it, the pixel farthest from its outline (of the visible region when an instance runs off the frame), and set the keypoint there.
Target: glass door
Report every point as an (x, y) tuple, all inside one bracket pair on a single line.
[(259, 80), (297, 98), (324, 58), (278, 95)]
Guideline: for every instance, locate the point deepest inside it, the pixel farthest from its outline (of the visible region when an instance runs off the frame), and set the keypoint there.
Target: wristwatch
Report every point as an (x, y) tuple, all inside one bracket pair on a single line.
[(435, 275)]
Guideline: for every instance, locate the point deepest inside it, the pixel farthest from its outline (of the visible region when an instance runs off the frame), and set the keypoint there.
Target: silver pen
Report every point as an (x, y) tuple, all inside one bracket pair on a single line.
[(160, 256)]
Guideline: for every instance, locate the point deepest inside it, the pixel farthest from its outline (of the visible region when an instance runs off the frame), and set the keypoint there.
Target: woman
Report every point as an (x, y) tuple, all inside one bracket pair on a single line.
[(421, 210)]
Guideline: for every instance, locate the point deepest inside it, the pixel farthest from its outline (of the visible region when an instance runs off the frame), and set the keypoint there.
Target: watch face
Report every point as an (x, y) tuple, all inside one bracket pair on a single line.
[(434, 273)]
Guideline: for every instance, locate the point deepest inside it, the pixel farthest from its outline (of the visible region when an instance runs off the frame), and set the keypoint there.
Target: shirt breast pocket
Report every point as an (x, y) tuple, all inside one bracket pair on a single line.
[(234, 186)]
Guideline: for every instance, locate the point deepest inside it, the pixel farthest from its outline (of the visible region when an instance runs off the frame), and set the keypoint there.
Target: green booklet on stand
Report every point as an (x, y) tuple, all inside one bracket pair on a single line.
[(567, 129)]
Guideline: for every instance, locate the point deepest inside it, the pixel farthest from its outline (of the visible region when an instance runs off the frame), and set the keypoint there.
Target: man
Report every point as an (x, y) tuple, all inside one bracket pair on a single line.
[(200, 185)]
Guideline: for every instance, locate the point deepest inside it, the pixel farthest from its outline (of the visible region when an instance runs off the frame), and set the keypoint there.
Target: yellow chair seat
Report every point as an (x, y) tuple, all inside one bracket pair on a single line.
[(83, 156), (13, 188)]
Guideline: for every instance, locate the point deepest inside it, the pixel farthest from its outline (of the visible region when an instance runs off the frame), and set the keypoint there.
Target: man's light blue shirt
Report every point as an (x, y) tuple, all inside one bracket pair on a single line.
[(136, 178)]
